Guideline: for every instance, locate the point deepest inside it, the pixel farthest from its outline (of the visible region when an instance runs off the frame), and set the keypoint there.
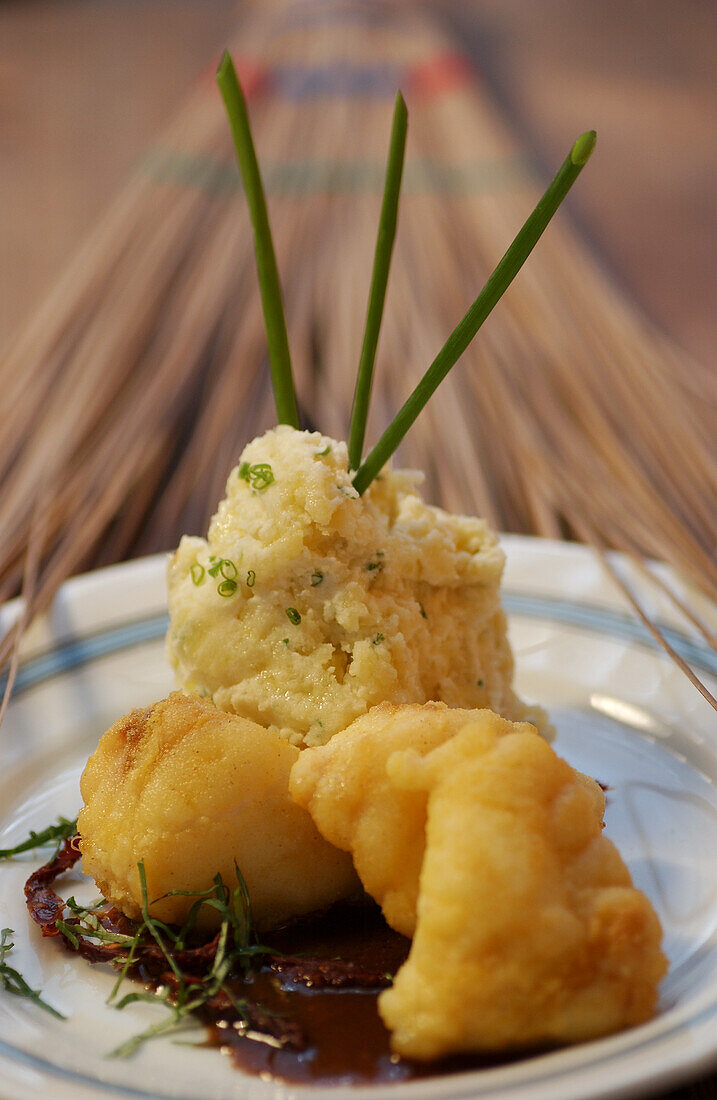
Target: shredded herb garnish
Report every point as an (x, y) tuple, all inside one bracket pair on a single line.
[(250, 579), (316, 578), (197, 572), (237, 947), (12, 980), (378, 638), (79, 910), (53, 834), (260, 476), (293, 615)]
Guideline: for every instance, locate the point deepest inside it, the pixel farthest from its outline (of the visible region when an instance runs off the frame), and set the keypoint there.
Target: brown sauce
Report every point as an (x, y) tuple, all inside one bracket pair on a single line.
[(307, 1014), (346, 1041)]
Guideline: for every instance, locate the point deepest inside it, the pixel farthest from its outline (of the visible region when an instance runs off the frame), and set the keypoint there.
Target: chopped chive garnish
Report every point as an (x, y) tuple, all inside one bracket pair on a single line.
[(227, 569), (320, 454), (316, 578), (250, 579), (263, 476), (422, 609), (497, 284), (260, 476), (378, 638), (225, 566), (277, 340), (480, 683), (379, 280), (293, 615), (197, 572)]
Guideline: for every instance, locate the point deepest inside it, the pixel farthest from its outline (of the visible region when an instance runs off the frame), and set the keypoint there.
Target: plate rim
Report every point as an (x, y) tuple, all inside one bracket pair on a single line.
[(143, 572)]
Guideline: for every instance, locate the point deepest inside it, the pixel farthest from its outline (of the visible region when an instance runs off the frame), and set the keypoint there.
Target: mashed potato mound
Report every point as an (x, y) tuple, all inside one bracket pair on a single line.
[(189, 790), (529, 928), (346, 788), (308, 604)]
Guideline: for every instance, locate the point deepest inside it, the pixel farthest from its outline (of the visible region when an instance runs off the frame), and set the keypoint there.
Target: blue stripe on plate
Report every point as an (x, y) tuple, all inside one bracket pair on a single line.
[(41, 1065), (73, 653), (601, 620)]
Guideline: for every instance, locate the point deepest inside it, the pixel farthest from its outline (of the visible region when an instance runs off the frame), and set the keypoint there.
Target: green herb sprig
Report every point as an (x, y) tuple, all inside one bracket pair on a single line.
[(379, 280), (12, 981), (277, 340), (237, 946), (53, 834), (497, 284)]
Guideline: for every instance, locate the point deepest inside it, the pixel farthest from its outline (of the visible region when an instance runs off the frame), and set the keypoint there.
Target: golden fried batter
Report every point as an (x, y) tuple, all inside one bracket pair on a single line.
[(345, 787), (529, 928), (188, 789)]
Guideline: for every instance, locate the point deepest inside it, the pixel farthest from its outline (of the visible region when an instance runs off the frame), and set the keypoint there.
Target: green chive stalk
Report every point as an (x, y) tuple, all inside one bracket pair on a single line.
[(277, 340), (379, 280), (497, 284)]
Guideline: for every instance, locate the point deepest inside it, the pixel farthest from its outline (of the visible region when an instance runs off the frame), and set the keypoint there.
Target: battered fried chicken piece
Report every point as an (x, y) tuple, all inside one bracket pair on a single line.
[(345, 787), (188, 790), (529, 928)]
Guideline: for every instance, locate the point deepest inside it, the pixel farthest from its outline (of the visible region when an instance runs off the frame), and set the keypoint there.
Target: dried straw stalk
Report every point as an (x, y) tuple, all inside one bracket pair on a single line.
[(142, 375)]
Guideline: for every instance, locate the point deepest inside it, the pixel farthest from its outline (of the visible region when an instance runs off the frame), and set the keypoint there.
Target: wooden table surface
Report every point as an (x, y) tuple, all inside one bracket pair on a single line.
[(84, 86)]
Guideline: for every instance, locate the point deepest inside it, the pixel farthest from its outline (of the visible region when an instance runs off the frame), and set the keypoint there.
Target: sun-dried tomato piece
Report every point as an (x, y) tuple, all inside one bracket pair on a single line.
[(328, 973), (44, 905)]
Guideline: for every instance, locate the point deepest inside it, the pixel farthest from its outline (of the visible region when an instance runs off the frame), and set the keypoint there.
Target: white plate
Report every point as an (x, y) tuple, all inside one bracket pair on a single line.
[(624, 713)]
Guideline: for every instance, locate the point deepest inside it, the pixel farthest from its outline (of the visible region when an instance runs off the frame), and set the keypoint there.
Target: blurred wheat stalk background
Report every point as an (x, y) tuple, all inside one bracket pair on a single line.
[(135, 386)]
